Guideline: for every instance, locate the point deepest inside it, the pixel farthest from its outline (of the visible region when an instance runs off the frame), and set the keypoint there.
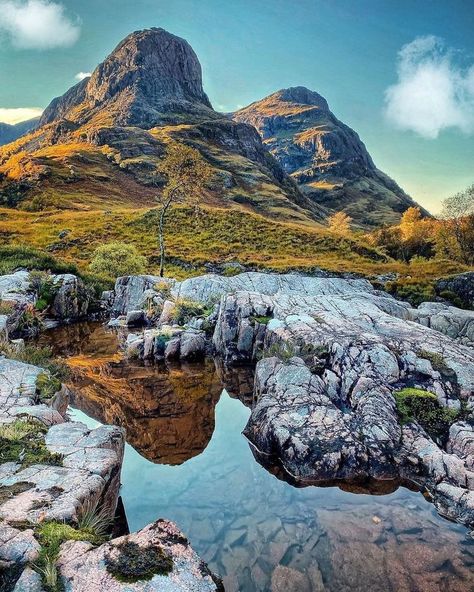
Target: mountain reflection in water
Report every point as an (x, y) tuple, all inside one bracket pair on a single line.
[(187, 460)]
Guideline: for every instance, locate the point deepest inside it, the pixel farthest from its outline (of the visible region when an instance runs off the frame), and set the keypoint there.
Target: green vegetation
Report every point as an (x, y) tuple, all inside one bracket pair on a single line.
[(436, 360), (262, 320), (423, 406), (186, 310), (135, 563), (36, 356), (117, 259), (47, 386), (42, 283), (94, 519), (23, 441), (282, 351), (20, 257), (51, 535)]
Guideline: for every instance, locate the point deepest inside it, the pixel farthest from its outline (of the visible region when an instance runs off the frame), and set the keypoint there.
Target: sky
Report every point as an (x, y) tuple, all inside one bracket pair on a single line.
[(399, 72)]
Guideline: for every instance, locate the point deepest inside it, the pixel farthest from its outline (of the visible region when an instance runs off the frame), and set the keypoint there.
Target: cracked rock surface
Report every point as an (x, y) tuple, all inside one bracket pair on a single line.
[(334, 351)]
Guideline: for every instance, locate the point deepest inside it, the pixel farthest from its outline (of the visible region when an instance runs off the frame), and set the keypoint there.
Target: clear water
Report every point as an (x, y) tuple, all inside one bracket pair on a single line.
[(258, 532)]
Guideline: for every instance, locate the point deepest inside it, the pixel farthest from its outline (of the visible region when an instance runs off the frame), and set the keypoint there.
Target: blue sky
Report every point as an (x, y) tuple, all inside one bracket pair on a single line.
[(348, 51)]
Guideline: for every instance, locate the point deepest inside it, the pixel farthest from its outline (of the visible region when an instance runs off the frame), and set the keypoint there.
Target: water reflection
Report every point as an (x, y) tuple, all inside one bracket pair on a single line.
[(256, 530)]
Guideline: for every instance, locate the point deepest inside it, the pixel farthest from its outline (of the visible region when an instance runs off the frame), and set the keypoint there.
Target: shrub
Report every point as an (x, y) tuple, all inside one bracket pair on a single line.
[(423, 406), (186, 310), (6, 307), (117, 259)]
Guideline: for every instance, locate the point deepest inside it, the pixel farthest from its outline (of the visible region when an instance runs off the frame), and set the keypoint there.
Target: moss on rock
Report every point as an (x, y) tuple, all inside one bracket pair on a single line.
[(423, 406), (134, 563)]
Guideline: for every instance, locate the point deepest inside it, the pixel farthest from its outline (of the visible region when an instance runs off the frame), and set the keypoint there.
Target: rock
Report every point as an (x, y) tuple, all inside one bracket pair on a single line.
[(166, 317), (129, 292), (150, 73), (193, 345), (30, 581), (454, 322), (461, 442), (285, 579), (461, 286), (82, 566), (72, 299), (135, 318)]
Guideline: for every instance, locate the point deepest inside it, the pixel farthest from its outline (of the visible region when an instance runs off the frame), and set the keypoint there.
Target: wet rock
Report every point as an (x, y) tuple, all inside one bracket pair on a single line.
[(286, 578), (193, 345)]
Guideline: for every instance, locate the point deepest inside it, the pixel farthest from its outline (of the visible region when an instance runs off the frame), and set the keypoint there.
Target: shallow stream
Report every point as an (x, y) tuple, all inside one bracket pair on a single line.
[(187, 460)]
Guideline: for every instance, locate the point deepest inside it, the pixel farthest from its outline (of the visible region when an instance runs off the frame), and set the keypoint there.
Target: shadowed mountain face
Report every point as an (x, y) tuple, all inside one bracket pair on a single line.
[(10, 133), (116, 124), (324, 156)]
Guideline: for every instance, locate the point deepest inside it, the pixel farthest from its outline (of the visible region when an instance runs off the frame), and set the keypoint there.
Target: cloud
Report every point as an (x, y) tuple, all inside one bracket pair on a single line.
[(434, 92), (37, 24), (13, 116), (81, 75)]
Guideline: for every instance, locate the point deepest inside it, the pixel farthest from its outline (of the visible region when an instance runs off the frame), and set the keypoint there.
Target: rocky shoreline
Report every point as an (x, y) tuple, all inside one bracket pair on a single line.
[(334, 360), (59, 481), (332, 355)]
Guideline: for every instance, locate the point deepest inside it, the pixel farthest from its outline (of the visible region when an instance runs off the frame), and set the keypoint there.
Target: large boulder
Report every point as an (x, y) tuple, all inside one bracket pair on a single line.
[(72, 299), (161, 548)]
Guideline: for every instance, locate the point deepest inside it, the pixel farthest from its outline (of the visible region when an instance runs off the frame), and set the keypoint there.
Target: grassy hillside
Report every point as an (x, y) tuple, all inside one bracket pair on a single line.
[(195, 237)]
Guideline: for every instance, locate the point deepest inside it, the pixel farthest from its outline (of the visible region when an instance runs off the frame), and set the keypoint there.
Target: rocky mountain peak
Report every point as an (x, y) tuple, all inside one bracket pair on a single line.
[(150, 73), (301, 95)]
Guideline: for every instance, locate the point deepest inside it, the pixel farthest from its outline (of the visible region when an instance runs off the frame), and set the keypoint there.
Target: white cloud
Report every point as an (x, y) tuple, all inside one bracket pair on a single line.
[(81, 75), (37, 24), (433, 91), (21, 114)]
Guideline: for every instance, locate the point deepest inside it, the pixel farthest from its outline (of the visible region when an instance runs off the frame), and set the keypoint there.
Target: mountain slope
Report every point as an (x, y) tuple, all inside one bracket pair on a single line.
[(10, 133), (325, 157), (98, 145)]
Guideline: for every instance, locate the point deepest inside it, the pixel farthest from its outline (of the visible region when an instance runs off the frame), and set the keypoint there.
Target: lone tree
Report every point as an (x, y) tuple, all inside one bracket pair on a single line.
[(186, 174), (340, 223), (458, 213)]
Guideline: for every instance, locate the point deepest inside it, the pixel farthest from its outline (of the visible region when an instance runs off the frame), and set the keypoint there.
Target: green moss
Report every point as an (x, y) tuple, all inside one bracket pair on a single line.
[(23, 441), (423, 406), (263, 320), (135, 563), (437, 361)]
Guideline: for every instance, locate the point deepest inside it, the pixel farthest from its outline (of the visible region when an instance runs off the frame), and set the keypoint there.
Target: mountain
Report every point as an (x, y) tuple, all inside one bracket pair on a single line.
[(325, 157), (10, 133), (100, 142)]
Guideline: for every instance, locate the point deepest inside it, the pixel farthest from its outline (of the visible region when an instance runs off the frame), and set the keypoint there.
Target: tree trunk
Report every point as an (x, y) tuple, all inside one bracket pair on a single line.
[(161, 239)]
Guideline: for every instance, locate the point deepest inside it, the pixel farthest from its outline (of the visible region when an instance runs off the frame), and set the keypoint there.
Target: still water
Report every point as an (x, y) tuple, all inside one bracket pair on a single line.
[(187, 460)]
